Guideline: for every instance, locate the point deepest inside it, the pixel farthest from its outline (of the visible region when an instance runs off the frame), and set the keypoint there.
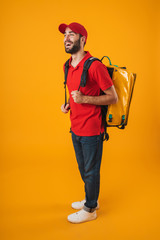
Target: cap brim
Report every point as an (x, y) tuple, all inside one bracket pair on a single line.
[(62, 27)]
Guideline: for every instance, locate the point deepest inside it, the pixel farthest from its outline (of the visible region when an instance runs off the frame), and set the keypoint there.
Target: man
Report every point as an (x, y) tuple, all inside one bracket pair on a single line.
[(85, 115)]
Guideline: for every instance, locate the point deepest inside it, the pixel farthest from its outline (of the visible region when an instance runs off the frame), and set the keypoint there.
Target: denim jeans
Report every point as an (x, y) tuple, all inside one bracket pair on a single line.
[(88, 152)]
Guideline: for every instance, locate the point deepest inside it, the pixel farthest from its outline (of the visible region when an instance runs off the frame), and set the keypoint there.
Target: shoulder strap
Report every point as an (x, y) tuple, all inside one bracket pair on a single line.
[(65, 77), (86, 66), (66, 70)]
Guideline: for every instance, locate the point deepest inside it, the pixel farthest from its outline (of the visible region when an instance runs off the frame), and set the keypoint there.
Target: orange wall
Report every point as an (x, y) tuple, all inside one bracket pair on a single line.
[(37, 156)]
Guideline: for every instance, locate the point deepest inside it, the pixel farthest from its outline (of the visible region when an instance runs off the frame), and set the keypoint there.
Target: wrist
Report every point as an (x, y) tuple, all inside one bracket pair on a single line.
[(85, 99)]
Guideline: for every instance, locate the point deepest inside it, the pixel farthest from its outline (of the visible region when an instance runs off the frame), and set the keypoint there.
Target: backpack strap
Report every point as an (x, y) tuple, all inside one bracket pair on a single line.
[(86, 66), (65, 77), (104, 109)]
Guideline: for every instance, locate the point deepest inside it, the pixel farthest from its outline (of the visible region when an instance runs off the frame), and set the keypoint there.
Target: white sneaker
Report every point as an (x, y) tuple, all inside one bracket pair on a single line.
[(80, 204), (82, 216)]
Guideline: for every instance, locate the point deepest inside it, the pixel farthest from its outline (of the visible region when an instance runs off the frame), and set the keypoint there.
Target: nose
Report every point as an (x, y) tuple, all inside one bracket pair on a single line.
[(66, 38)]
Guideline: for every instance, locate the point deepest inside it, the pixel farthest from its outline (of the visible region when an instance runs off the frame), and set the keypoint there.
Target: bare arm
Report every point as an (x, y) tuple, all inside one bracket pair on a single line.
[(110, 97)]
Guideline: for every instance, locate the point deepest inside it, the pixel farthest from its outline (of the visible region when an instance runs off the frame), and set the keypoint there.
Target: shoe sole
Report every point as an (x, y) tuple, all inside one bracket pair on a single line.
[(83, 221)]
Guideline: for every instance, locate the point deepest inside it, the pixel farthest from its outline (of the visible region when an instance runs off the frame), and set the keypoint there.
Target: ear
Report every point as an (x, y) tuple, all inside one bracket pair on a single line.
[(83, 39)]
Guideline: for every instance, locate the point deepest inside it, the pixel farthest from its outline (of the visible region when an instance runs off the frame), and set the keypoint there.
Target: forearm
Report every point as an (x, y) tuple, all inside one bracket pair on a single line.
[(99, 100), (109, 97)]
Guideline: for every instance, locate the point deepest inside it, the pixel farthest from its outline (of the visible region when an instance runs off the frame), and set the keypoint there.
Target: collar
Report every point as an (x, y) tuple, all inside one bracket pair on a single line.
[(88, 55)]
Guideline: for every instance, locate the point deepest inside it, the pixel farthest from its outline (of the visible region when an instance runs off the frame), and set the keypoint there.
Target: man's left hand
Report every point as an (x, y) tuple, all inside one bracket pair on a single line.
[(77, 96)]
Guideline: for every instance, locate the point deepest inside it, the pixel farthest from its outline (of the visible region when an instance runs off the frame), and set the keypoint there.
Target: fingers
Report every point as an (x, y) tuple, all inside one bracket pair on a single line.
[(64, 108), (67, 106), (75, 95)]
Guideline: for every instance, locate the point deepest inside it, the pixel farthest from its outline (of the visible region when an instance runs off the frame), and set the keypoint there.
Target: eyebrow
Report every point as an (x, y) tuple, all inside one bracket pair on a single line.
[(70, 32)]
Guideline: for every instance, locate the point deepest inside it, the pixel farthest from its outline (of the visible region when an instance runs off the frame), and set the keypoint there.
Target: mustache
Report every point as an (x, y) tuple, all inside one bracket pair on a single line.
[(68, 42)]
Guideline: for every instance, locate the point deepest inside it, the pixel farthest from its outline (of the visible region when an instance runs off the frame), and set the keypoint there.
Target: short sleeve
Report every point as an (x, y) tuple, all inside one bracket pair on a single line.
[(101, 76)]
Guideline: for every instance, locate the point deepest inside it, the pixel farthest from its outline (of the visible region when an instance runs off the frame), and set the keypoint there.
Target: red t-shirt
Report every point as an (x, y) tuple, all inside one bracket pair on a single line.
[(86, 119)]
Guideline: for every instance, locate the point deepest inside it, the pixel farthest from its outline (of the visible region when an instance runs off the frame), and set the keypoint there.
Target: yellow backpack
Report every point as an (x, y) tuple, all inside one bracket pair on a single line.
[(123, 80)]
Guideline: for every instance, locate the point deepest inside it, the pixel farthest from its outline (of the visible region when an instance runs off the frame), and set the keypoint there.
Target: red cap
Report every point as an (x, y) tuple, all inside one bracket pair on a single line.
[(75, 27)]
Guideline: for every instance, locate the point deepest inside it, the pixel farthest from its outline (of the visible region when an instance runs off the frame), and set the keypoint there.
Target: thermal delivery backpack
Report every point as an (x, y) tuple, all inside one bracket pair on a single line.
[(113, 115)]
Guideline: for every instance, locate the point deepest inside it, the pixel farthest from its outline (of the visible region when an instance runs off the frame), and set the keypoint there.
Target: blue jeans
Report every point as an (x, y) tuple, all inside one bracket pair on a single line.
[(88, 152)]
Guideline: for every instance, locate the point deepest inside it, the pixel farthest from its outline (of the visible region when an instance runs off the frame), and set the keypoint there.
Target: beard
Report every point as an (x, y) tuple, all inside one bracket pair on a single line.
[(75, 48)]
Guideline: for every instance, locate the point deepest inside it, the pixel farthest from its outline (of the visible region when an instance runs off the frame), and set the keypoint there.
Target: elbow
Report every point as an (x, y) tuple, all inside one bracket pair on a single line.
[(115, 99)]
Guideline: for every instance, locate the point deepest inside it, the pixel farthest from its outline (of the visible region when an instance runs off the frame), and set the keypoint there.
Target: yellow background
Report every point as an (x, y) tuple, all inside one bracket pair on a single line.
[(39, 174)]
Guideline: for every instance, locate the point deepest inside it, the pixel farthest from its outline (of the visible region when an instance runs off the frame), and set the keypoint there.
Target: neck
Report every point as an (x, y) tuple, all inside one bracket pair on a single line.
[(77, 57)]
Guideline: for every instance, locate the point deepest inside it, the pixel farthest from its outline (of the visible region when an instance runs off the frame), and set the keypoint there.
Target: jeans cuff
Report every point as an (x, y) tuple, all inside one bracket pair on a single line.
[(89, 209)]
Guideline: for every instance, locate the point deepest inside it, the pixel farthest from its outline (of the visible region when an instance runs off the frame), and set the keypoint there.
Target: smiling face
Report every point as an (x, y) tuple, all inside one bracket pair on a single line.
[(72, 41)]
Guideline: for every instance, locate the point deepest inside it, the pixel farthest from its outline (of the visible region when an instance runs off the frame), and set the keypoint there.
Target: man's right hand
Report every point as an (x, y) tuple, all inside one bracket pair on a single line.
[(65, 109)]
